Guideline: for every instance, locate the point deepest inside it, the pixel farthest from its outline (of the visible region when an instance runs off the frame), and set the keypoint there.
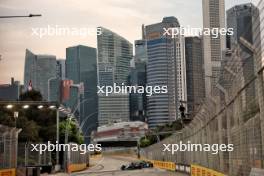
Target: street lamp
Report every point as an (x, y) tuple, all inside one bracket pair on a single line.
[(52, 107), (25, 106), (70, 116), (9, 106), (22, 16)]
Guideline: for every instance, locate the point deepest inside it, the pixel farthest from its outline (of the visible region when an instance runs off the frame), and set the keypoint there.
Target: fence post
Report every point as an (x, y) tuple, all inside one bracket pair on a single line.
[(260, 88)]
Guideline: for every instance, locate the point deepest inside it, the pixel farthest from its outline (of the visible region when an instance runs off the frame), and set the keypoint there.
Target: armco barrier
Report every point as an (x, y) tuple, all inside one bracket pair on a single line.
[(8, 172), (203, 171), (76, 167)]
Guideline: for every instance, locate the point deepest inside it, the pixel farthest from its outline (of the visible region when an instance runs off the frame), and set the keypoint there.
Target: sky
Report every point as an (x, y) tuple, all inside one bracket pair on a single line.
[(124, 17)]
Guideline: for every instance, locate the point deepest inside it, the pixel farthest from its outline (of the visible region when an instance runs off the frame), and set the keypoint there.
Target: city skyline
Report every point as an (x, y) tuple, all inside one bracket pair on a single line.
[(171, 87), (13, 51)]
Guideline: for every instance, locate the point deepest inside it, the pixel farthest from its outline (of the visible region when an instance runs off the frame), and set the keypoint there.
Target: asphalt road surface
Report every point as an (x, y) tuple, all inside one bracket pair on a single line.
[(110, 166)]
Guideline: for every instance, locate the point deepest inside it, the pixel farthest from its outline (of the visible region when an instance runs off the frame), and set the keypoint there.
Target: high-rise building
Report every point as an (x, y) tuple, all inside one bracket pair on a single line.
[(81, 68), (141, 50), (54, 90), (194, 73), (54, 84), (10, 92), (114, 55), (241, 19), (76, 97), (60, 69), (213, 17), (113, 108), (39, 69), (137, 77), (165, 67)]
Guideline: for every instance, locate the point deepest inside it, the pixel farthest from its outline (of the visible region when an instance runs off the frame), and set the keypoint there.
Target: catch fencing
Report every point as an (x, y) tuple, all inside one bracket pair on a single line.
[(234, 116), (29, 157), (8, 147), (77, 161)]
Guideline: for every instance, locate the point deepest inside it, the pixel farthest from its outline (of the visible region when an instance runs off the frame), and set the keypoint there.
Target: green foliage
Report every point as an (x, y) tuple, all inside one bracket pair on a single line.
[(32, 95), (38, 125), (74, 134), (148, 140), (30, 130)]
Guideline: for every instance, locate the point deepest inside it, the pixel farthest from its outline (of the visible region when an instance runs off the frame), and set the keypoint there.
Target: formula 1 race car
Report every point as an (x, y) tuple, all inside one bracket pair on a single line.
[(137, 165), (146, 164)]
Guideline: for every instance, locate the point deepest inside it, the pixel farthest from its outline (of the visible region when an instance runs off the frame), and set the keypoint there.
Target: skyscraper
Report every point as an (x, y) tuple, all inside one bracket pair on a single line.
[(141, 50), (54, 90), (114, 55), (61, 69), (39, 69), (54, 83), (213, 17), (81, 68), (137, 77), (241, 19), (165, 67), (194, 73)]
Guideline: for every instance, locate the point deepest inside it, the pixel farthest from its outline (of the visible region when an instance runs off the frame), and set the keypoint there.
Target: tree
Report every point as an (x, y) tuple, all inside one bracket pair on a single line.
[(74, 134), (32, 95)]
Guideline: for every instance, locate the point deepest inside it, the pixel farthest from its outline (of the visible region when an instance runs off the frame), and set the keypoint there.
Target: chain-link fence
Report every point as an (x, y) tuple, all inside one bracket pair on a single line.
[(235, 116), (76, 157), (28, 156), (8, 147)]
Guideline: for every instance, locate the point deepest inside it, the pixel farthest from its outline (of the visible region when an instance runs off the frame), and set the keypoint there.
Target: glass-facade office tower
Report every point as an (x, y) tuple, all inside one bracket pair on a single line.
[(194, 73), (213, 17), (54, 84), (165, 67), (76, 96), (137, 77), (39, 69), (54, 92), (81, 68), (61, 69), (114, 55), (241, 19)]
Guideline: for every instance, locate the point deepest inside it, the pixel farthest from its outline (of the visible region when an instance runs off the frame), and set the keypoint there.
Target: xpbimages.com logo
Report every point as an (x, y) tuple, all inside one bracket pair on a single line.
[(189, 31), (123, 89), (190, 147), (59, 30), (82, 148)]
